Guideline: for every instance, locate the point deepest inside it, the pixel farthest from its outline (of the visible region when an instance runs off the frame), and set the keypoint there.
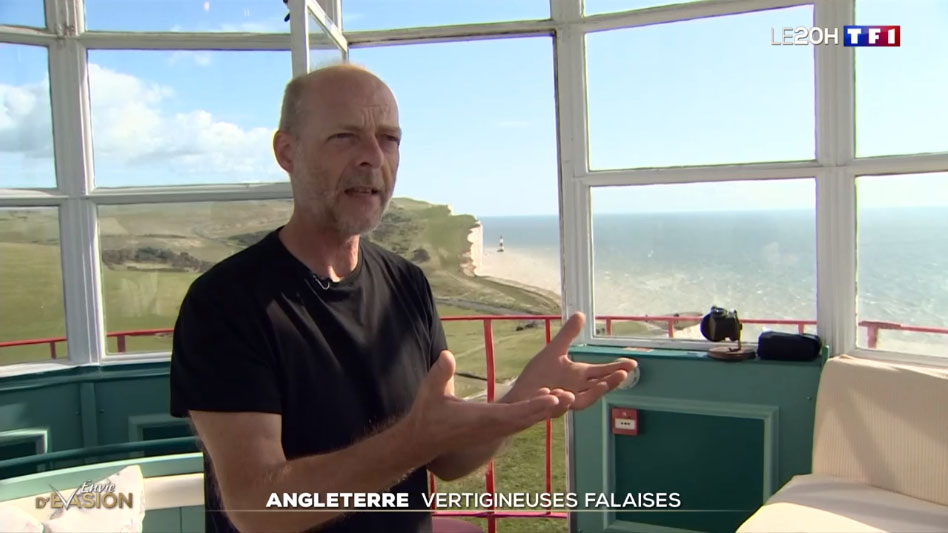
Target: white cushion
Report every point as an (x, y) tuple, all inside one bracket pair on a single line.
[(820, 503), (15, 519), (129, 519), (168, 492), (884, 425)]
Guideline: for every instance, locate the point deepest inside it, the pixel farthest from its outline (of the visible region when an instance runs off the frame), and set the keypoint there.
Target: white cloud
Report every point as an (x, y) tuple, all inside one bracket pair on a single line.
[(131, 129), (134, 135), (25, 123)]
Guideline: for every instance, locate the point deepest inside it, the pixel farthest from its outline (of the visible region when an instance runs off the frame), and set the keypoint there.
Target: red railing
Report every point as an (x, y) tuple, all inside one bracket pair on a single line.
[(872, 327), (490, 514), (120, 337)]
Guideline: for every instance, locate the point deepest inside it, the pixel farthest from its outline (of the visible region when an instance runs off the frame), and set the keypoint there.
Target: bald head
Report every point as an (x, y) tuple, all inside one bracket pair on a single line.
[(339, 142), (306, 95)]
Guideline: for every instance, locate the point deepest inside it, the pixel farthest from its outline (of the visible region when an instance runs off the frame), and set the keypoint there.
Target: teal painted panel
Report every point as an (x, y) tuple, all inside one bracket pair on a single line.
[(20, 448), (55, 409), (192, 519), (162, 521), (167, 431), (730, 451), (88, 414), (776, 398), (83, 406), (117, 401)]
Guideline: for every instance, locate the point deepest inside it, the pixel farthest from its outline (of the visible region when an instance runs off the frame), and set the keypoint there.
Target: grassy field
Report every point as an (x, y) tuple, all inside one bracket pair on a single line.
[(146, 294), (521, 468)]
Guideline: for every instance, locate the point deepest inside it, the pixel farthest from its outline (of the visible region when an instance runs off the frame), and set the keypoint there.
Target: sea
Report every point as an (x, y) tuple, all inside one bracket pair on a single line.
[(760, 263)]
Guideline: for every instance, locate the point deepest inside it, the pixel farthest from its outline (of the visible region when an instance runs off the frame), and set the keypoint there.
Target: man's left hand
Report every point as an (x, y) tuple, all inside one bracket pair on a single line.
[(552, 369)]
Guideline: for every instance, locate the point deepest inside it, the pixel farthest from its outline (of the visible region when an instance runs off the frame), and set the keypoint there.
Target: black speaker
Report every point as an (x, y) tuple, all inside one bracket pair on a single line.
[(778, 346)]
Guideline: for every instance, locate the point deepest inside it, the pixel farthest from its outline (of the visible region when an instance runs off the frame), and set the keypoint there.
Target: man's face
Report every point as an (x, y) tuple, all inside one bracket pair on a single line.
[(346, 154)]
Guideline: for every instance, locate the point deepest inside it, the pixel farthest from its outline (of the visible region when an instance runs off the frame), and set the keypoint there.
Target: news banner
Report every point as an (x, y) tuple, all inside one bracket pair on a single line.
[(564, 501)]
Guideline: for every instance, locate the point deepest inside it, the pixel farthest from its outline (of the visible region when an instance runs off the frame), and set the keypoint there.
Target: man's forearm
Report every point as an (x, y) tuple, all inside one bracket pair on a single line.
[(374, 464), (457, 464)]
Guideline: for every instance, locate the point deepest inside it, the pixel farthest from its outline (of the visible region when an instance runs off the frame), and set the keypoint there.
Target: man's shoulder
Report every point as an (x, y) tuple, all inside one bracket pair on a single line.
[(239, 270), (391, 259)]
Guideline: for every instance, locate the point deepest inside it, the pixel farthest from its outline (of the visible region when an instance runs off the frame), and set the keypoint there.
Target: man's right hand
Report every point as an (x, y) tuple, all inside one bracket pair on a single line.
[(440, 423)]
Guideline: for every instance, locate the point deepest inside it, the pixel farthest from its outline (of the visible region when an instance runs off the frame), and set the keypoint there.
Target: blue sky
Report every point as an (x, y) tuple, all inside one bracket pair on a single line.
[(479, 116)]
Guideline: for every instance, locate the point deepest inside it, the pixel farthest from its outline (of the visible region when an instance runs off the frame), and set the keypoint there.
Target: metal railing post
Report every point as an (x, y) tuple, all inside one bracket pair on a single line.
[(489, 475), (872, 332), (549, 431)]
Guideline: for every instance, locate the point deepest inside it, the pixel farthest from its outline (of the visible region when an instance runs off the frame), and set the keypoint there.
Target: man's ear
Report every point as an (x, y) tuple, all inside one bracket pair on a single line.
[(283, 147)]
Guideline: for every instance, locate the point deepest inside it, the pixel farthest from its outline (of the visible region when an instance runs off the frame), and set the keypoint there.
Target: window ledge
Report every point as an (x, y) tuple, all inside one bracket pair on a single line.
[(150, 357), (22, 369)]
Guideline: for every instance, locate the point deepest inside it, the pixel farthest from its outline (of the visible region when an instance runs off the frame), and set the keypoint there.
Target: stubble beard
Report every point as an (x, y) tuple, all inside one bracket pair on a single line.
[(323, 204)]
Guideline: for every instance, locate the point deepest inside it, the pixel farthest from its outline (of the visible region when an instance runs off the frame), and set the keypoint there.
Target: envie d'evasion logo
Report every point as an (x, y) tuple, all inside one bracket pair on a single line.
[(87, 496)]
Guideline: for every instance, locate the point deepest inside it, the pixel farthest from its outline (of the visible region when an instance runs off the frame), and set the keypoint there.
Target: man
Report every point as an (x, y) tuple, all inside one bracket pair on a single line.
[(316, 362)]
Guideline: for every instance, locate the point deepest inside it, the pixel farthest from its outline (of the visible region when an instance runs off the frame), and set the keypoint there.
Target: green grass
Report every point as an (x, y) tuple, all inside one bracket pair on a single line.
[(31, 301), (31, 284), (520, 467), (512, 348)]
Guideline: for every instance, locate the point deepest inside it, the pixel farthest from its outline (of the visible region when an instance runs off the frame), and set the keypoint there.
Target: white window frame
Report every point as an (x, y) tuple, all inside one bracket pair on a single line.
[(300, 28), (75, 195), (834, 168)]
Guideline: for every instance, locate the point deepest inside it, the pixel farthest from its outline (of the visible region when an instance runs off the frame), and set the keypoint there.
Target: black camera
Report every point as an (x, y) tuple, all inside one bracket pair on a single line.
[(721, 324)]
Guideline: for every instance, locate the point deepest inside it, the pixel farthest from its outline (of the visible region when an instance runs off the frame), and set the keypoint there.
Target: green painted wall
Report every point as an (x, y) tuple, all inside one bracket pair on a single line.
[(722, 435), (85, 407)]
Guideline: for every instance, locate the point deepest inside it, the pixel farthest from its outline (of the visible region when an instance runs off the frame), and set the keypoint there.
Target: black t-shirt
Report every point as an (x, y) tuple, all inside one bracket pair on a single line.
[(259, 333)]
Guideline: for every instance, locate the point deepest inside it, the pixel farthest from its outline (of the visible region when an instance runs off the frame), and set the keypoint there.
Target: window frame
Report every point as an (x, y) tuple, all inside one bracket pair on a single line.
[(834, 168)]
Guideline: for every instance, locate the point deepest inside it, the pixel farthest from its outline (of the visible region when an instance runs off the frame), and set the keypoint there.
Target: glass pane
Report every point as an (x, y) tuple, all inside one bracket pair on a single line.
[(500, 141), (187, 15), (23, 13), (596, 7), (902, 240), (185, 117), (670, 252), (322, 50), (900, 91), (707, 91), (32, 317), (152, 252), (375, 15), (494, 160), (26, 131)]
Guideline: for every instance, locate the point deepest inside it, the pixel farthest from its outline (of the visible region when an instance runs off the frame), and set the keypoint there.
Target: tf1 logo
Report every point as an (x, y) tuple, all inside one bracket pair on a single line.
[(871, 35), (852, 36)]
